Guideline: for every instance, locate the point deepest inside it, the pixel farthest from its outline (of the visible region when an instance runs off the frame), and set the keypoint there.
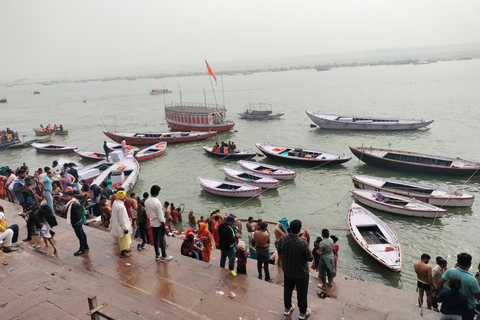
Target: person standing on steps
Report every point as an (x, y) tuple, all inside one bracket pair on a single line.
[(74, 217), (154, 210)]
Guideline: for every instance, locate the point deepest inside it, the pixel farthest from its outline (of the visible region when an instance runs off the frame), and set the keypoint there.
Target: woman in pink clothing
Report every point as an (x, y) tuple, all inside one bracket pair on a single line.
[(336, 247)]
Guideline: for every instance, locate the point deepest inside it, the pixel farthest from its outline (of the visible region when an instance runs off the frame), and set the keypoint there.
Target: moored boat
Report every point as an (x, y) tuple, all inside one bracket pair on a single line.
[(61, 161), (253, 179), (40, 132), (397, 204), (338, 122), (268, 170), (152, 151), (415, 162), (115, 146), (197, 117), (53, 148), (91, 155), (430, 194), (228, 188), (89, 173), (29, 142), (159, 91), (301, 156), (123, 173), (375, 237), (237, 154), (259, 111), (150, 138)]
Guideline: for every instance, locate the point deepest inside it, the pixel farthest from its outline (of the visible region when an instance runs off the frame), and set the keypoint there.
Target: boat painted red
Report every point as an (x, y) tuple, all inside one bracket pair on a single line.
[(151, 152), (197, 117), (150, 138)]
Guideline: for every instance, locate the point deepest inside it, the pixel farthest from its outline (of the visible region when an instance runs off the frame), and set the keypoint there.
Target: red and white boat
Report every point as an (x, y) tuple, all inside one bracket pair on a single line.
[(151, 152), (197, 117), (149, 138), (159, 91)]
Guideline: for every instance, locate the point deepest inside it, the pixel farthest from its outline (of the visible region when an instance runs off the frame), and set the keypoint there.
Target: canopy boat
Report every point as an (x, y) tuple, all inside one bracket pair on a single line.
[(89, 173), (268, 170), (40, 132), (197, 117), (416, 162), (115, 146), (149, 138), (91, 155), (243, 154), (252, 179), (397, 204), (151, 152), (259, 111), (229, 189), (375, 237), (301, 156), (333, 121), (53, 148), (123, 173), (159, 91), (430, 194), (28, 143)]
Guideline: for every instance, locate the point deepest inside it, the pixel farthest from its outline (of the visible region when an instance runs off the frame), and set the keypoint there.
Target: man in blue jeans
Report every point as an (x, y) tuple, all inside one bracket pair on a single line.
[(74, 217), (154, 210), (227, 242)]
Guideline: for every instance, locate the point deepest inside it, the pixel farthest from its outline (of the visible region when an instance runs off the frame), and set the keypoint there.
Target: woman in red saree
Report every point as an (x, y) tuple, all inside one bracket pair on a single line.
[(206, 238)]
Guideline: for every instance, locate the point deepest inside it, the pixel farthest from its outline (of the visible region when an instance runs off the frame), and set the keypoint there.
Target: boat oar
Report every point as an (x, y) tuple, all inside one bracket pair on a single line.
[(385, 239)]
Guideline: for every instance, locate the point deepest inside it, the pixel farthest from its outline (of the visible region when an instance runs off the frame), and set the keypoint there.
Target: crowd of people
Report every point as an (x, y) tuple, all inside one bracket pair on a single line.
[(229, 147), (455, 288)]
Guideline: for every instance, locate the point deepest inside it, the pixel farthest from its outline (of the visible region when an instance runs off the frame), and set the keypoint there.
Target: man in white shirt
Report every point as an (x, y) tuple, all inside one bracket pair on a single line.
[(154, 209)]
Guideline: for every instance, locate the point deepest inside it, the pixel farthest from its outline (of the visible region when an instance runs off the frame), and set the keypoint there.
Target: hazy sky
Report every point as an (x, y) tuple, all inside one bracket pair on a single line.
[(48, 37)]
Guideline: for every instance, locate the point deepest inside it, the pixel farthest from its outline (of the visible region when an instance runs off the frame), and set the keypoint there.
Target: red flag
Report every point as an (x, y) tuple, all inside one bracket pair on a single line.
[(210, 71)]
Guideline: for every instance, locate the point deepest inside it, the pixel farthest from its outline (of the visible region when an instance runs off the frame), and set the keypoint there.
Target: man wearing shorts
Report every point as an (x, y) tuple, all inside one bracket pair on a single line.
[(424, 280)]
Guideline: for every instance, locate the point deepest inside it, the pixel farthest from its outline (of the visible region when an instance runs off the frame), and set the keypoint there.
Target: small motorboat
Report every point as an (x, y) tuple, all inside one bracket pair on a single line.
[(416, 162), (397, 204), (375, 237), (91, 155), (123, 173), (268, 170), (243, 154), (28, 143), (301, 156), (333, 121), (253, 179), (115, 146), (430, 194), (53, 148), (259, 111), (229, 189), (151, 152), (149, 138)]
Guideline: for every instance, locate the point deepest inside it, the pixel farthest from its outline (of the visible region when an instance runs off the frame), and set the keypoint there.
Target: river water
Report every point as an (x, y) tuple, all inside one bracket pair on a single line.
[(448, 92)]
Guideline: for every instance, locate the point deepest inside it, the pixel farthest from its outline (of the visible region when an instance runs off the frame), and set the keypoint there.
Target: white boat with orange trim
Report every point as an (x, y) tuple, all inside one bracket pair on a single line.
[(89, 173), (91, 155), (375, 237), (397, 204), (197, 117), (115, 146), (229, 189), (151, 152), (123, 173), (253, 179), (268, 170)]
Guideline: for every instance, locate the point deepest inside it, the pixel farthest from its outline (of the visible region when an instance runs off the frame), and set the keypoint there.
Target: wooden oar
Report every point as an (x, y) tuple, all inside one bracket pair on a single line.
[(385, 239)]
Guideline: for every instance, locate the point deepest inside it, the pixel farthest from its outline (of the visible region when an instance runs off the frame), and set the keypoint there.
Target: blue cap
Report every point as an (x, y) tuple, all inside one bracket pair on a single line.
[(231, 218)]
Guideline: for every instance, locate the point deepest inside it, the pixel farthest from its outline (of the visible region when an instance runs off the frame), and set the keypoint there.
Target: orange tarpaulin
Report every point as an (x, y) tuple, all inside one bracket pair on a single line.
[(210, 71)]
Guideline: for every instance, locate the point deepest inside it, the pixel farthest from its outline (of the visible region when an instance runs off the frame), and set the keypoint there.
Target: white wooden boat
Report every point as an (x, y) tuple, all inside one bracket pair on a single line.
[(123, 173), (430, 194), (89, 173), (337, 122), (61, 162), (115, 146), (53, 148), (229, 189), (250, 178), (151, 152), (395, 203), (375, 237), (268, 170), (259, 111), (91, 155)]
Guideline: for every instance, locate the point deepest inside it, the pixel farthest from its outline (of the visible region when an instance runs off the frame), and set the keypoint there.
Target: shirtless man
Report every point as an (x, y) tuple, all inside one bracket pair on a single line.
[(191, 218), (262, 245), (424, 283), (133, 210), (168, 216), (250, 228), (280, 230), (257, 226)]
